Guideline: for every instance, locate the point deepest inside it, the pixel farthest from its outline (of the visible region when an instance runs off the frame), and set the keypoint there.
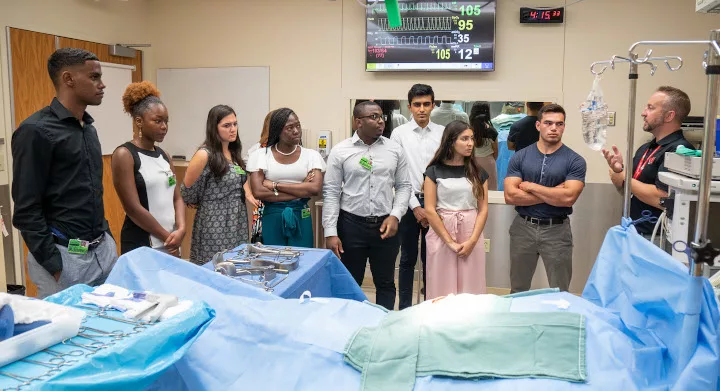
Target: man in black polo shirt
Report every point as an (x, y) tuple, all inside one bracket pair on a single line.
[(523, 132), (543, 182), (57, 180), (665, 111)]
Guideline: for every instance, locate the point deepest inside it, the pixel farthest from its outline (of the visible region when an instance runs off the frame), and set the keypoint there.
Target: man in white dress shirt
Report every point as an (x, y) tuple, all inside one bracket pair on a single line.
[(447, 112), (419, 139), (361, 212)]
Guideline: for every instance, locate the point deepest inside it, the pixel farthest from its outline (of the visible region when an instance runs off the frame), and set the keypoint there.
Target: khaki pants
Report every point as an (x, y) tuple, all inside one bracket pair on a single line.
[(91, 268)]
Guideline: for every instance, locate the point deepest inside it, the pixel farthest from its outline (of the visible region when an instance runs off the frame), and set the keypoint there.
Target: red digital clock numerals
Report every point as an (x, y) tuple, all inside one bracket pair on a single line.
[(541, 15), (547, 15)]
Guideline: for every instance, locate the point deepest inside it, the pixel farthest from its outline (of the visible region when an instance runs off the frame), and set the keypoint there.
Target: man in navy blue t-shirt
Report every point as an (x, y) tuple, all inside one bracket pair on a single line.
[(543, 182)]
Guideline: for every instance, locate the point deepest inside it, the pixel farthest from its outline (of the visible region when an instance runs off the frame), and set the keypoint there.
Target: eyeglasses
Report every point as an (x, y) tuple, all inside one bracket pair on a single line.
[(374, 117)]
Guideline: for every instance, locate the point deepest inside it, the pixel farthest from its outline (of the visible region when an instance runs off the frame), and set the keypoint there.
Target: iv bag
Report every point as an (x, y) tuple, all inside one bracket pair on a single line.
[(594, 117)]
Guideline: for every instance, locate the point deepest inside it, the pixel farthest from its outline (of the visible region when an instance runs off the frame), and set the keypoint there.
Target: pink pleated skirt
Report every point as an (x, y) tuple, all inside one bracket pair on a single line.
[(446, 271)]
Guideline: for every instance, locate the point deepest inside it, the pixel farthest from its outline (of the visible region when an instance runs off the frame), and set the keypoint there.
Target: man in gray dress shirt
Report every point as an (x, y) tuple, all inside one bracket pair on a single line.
[(360, 210)]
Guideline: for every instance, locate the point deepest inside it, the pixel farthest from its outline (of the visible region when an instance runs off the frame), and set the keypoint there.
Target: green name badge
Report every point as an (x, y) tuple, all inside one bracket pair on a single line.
[(172, 181), (239, 170), (366, 163), (77, 246), (306, 213)]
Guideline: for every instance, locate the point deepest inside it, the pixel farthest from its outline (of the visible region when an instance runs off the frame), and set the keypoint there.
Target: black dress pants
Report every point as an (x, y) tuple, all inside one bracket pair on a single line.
[(410, 231), (361, 241)]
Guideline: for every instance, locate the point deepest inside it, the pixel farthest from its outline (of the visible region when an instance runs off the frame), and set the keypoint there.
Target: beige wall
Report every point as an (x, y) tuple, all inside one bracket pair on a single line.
[(300, 40), (315, 50), (105, 21), (590, 38)]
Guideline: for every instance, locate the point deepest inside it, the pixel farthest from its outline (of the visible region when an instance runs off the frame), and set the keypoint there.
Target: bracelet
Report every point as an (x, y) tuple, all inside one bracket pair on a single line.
[(275, 190)]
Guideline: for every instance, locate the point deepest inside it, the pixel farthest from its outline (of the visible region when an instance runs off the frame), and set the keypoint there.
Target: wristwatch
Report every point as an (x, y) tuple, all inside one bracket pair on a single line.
[(275, 188)]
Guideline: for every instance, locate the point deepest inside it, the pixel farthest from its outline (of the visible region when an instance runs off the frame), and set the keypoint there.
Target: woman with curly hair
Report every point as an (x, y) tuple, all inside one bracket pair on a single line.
[(144, 177)]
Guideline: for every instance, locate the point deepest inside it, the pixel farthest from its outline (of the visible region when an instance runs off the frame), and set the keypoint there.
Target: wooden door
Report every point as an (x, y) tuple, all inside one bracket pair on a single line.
[(33, 90)]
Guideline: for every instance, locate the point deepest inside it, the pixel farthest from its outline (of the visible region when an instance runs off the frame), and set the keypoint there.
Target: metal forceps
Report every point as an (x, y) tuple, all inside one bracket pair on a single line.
[(138, 326), (95, 341), (682, 247), (647, 216), (24, 380), (54, 368), (101, 312), (93, 347), (272, 285), (115, 334), (59, 358)]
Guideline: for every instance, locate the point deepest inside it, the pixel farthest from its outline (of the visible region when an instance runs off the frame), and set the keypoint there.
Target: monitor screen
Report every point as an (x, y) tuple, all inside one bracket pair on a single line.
[(454, 35)]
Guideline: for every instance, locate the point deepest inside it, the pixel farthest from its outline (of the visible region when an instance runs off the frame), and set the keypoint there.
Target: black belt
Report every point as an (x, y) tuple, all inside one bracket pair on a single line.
[(364, 219), (420, 196), (544, 221), (92, 244)]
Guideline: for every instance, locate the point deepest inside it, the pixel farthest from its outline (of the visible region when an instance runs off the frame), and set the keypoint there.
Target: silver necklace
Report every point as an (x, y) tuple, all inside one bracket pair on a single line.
[(286, 154)]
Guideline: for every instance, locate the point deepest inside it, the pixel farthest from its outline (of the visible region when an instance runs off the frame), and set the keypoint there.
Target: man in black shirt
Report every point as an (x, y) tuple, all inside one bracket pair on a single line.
[(665, 111), (523, 132), (57, 180)]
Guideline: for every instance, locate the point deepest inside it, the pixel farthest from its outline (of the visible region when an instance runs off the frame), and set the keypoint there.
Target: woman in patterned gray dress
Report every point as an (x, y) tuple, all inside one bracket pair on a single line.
[(216, 184)]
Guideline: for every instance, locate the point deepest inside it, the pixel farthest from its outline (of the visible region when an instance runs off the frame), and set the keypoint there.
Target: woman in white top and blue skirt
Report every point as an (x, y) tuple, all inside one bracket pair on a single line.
[(284, 176), (456, 206)]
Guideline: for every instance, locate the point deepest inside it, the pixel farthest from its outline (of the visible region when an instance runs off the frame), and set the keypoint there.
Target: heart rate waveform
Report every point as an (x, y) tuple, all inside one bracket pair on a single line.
[(434, 6), (414, 40), (432, 23), (431, 35)]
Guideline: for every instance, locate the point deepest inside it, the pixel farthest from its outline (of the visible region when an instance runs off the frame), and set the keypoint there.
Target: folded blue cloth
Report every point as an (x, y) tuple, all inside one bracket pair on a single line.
[(7, 322), (22, 328)]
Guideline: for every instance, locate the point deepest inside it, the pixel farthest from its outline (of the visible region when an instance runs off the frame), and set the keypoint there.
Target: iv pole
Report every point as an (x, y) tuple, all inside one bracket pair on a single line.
[(702, 250), (632, 99)]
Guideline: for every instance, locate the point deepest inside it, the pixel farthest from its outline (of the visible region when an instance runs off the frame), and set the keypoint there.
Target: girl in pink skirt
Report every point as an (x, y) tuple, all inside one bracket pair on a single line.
[(456, 206)]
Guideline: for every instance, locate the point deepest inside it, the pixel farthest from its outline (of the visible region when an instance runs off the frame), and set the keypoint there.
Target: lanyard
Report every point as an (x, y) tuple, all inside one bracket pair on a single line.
[(643, 161)]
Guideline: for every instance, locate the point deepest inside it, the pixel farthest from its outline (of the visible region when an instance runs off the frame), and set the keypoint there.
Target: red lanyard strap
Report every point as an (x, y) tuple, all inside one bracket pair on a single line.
[(644, 161)]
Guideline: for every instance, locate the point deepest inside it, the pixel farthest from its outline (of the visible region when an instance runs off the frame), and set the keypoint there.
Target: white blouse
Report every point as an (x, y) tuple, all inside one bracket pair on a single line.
[(263, 159)]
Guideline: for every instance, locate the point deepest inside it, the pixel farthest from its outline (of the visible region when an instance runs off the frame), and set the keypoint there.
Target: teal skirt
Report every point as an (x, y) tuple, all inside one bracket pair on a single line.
[(287, 224)]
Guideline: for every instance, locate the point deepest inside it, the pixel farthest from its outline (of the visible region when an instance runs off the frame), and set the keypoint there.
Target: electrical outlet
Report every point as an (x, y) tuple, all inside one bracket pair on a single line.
[(487, 245), (611, 118)]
